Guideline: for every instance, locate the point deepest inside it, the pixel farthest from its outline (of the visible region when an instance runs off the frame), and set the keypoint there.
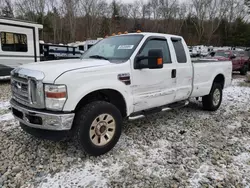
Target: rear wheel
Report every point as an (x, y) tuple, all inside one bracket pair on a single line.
[(244, 69), (213, 101), (98, 127)]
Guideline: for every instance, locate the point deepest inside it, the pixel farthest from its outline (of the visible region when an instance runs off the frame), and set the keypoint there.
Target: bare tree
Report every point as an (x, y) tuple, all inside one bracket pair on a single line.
[(167, 10), (92, 10), (217, 10), (70, 9), (6, 8), (236, 9), (181, 15), (154, 6), (199, 13), (37, 7), (54, 7)]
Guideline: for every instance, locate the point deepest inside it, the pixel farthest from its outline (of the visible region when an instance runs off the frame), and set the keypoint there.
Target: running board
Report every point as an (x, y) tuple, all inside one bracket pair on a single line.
[(140, 115)]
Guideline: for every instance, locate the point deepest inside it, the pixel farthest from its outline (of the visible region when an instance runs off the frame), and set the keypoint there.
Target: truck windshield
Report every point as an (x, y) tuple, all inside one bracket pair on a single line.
[(222, 54), (114, 48)]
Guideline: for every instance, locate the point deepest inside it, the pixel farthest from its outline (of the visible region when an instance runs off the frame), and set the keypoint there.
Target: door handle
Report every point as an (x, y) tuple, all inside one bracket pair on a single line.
[(173, 74)]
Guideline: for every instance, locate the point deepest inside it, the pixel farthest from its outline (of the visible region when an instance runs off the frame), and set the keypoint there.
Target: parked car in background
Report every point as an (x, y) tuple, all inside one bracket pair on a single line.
[(240, 59), (202, 51), (49, 52), (193, 52)]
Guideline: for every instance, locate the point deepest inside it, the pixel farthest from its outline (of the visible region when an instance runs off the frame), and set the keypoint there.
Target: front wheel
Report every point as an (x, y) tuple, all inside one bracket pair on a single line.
[(98, 127), (213, 101)]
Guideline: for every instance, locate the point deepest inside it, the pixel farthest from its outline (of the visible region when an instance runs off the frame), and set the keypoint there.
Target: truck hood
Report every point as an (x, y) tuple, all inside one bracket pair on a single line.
[(53, 69)]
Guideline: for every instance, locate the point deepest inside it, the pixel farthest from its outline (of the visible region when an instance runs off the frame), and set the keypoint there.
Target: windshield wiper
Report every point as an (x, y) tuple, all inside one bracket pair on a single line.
[(98, 57)]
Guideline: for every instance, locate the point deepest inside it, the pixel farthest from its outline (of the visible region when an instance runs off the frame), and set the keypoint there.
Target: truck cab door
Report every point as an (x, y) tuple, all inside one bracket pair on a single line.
[(184, 74), (154, 87)]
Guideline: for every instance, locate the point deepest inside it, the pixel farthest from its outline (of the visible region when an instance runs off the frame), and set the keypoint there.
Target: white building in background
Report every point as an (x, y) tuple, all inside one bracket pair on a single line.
[(19, 44)]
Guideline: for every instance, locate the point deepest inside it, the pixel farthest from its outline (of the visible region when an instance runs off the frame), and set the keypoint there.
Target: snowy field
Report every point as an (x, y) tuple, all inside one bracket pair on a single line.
[(184, 148)]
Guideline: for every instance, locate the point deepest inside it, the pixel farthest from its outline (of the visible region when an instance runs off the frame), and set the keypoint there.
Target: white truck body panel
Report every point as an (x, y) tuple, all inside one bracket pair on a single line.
[(54, 69), (149, 88), (120, 77), (83, 81), (204, 74)]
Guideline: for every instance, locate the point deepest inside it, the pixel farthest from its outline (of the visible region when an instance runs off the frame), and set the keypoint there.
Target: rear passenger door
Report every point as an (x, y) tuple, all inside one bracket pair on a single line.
[(184, 70)]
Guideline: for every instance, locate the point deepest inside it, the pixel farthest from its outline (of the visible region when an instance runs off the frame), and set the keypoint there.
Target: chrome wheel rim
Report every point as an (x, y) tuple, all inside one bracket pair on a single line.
[(102, 130), (216, 97)]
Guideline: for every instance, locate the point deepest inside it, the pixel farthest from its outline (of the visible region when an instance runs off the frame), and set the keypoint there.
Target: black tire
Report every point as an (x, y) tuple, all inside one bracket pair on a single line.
[(208, 101), (85, 116), (244, 69)]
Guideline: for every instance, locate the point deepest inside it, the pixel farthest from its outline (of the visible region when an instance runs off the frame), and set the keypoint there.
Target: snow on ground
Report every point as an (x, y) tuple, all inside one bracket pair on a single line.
[(6, 117), (4, 105), (89, 175), (181, 148)]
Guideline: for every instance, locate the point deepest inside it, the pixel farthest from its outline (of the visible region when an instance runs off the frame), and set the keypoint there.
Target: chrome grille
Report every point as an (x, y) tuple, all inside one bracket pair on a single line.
[(27, 91), (20, 89)]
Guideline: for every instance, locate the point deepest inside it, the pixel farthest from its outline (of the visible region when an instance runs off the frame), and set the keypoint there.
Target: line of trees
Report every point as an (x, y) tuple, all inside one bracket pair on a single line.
[(210, 22)]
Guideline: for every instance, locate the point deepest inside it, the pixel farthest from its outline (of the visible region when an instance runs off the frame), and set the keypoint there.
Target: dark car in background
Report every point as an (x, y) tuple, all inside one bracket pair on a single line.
[(240, 59)]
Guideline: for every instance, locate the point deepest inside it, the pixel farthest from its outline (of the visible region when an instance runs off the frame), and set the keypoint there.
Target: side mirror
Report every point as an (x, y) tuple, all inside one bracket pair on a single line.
[(233, 56), (155, 60)]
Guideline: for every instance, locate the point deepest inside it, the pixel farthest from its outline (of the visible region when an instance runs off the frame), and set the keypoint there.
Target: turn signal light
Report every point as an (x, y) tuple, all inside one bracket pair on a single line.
[(159, 61), (56, 95)]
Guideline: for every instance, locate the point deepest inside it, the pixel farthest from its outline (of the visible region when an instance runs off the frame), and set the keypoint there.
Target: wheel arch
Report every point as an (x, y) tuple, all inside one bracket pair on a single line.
[(220, 79), (109, 95)]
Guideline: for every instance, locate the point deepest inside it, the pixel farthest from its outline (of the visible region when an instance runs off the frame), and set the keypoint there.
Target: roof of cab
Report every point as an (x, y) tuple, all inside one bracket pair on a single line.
[(151, 34), (17, 22)]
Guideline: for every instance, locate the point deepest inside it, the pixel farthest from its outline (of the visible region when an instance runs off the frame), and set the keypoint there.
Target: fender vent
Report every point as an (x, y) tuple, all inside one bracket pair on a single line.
[(125, 78)]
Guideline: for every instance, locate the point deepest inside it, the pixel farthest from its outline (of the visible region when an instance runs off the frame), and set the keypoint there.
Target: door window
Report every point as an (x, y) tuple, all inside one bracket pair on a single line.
[(179, 51), (156, 44)]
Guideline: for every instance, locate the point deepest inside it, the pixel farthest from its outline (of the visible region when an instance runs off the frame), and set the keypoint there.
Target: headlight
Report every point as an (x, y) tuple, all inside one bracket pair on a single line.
[(55, 96)]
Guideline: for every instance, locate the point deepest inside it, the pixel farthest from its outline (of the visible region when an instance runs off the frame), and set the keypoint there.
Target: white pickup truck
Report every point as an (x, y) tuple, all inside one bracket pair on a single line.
[(124, 76)]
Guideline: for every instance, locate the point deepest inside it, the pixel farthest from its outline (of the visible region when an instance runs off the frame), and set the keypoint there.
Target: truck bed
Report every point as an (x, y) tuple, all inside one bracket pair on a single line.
[(205, 61), (204, 73)]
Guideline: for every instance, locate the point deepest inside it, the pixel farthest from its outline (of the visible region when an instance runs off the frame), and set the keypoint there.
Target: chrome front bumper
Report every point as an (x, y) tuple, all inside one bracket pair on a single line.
[(42, 120)]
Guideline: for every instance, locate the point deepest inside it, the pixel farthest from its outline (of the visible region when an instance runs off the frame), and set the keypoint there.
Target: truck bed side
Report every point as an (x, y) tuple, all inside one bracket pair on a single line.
[(205, 73)]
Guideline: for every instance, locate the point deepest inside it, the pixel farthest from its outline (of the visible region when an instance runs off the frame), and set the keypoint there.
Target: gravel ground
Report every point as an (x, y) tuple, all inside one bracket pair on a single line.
[(184, 148)]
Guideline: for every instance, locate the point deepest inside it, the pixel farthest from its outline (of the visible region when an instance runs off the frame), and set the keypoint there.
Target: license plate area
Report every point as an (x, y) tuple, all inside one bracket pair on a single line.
[(29, 118)]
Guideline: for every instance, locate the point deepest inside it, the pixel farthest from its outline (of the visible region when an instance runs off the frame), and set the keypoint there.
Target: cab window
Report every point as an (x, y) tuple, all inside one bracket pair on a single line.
[(156, 44), (179, 50)]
